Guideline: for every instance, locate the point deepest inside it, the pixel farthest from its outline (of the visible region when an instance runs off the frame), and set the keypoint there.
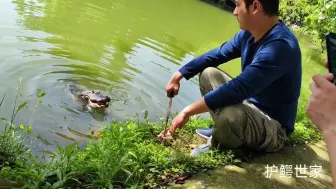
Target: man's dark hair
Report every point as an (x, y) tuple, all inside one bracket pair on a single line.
[(271, 7)]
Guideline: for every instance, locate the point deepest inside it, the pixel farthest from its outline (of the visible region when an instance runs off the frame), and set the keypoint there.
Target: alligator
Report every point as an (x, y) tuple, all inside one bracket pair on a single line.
[(89, 98)]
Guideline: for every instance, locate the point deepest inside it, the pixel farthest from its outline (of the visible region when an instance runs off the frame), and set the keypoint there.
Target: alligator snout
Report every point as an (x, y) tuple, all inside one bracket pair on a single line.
[(95, 99)]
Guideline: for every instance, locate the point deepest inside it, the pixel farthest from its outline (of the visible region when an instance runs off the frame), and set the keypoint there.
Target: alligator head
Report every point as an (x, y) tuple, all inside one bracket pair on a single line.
[(95, 99)]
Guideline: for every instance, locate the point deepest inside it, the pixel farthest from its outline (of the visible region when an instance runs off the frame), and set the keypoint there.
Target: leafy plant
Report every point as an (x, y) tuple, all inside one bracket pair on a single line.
[(128, 154), (322, 18), (315, 17)]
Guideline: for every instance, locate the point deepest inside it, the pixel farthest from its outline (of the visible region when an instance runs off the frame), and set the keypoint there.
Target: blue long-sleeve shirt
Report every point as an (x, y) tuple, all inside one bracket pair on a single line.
[(270, 77)]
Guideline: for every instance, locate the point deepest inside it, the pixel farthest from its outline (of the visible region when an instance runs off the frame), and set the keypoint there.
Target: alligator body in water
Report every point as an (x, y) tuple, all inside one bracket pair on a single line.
[(89, 98)]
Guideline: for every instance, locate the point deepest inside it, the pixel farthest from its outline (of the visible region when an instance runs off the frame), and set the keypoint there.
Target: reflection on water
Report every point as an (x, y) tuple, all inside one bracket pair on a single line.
[(126, 49)]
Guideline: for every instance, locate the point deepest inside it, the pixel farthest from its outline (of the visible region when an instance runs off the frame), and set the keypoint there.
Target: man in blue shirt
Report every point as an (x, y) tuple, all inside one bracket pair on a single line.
[(256, 109)]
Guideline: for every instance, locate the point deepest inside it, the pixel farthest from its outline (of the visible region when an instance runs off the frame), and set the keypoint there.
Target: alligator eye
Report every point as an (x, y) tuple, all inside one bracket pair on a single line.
[(108, 99)]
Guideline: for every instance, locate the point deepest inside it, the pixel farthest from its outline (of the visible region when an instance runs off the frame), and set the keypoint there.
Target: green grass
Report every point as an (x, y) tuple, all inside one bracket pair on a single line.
[(128, 154), (312, 59)]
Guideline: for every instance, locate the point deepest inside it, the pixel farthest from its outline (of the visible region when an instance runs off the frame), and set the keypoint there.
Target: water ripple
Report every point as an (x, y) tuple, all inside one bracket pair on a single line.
[(126, 49)]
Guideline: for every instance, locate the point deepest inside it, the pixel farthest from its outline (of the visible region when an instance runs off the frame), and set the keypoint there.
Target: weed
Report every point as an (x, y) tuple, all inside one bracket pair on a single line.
[(128, 154)]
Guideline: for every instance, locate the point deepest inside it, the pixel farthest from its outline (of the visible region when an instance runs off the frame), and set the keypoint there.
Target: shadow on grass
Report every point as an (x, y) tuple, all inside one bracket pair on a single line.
[(252, 174)]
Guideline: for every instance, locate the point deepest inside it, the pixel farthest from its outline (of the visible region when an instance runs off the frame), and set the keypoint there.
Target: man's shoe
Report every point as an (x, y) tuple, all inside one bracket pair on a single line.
[(200, 150), (205, 132)]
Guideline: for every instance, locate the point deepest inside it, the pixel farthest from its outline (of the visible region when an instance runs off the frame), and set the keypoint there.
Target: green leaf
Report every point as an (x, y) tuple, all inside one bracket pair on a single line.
[(236, 161), (60, 149), (59, 174), (29, 129), (21, 106), (22, 127), (58, 184), (69, 149), (76, 180), (48, 152), (40, 93), (132, 154), (49, 173), (126, 171)]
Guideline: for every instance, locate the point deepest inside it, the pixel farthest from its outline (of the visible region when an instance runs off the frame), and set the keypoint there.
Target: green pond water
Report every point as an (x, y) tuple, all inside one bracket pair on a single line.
[(127, 49)]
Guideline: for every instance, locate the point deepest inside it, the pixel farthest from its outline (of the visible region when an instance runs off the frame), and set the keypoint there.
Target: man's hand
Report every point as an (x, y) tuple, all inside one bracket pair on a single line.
[(182, 118), (320, 109), (173, 84), (322, 103), (178, 122)]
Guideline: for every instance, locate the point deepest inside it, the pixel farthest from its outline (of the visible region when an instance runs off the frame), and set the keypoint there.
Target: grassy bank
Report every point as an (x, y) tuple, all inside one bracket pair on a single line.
[(128, 154)]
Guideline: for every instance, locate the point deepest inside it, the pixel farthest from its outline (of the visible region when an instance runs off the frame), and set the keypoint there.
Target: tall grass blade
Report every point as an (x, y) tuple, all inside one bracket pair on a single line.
[(2, 99), (2, 102), (16, 97)]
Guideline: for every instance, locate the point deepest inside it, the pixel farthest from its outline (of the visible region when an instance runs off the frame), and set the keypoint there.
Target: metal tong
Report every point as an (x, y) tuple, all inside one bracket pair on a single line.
[(171, 95)]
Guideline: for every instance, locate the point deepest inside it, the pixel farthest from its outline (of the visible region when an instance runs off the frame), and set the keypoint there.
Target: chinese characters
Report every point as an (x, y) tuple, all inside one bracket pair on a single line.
[(299, 171)]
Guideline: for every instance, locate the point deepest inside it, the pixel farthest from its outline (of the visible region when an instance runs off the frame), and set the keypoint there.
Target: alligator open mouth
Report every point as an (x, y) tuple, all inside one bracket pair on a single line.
[(95, 99)]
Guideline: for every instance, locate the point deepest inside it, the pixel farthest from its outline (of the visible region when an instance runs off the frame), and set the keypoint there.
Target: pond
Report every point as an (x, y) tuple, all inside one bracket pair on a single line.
[(126, 49)]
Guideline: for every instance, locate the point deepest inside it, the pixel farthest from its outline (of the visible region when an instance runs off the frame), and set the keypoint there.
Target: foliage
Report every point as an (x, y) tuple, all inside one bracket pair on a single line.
[(315, 17), (295, 12), (322, 18), (127, 154), (312, 59)]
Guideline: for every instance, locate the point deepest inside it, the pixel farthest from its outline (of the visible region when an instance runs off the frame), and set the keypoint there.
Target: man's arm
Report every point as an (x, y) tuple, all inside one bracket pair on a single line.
[(320, 109), (268, 65), (330, 139), (224, 53)]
